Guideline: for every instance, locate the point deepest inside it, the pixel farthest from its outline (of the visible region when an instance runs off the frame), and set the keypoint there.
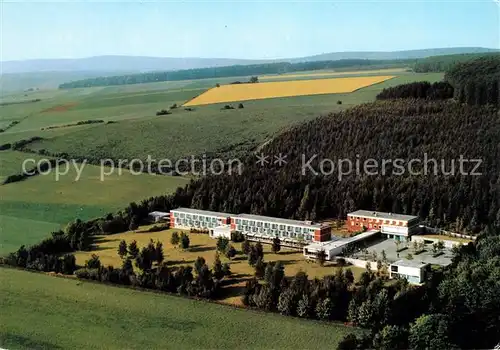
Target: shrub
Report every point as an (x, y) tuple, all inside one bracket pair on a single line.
[(82, 273), (184, 243), (339, 102), (240, 106), (93, 262), (237, 236), (174, 239), (226, 269), (5, 146), (222, 244), (157, 228), (230, 252), (163, 112), (245, 247)]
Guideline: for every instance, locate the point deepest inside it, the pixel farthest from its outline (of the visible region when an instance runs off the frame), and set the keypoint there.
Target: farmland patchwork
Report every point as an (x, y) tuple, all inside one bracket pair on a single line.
[(258, 91)]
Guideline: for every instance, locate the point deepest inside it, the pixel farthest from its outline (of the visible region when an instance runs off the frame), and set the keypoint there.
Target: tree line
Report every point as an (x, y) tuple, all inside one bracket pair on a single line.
[(153, 271), (455, 308), (445, 62), (398, 129), (422, 89), (476, 81), (435, 132), (228, 71)]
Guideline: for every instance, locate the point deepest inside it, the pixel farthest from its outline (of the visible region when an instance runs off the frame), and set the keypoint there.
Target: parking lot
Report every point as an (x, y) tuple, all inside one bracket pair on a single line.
[(390, 249)]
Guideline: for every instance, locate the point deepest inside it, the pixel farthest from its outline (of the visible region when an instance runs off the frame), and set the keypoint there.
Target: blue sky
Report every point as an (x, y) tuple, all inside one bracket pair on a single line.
[(241, 29)]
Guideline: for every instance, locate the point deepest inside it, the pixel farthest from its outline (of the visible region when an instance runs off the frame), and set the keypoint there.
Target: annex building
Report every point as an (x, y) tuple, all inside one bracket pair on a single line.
[(395, 226)]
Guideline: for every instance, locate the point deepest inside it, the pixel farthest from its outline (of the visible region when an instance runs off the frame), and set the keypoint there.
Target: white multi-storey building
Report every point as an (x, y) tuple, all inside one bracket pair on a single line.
[(254, 227), (186, 218), (265, 228)]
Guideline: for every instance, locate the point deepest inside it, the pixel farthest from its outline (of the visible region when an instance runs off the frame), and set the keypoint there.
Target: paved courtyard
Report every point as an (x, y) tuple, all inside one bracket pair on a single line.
[(392, 255)]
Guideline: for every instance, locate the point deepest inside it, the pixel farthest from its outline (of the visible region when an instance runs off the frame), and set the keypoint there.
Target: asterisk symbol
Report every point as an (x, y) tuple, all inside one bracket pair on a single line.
[(261, 159), (280, 159)]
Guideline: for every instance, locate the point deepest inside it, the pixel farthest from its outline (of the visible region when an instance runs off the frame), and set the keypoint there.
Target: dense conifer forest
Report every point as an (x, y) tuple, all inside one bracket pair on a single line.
[(422, 153), (389, 130), (476, 81), (445, 62), (438, 91)]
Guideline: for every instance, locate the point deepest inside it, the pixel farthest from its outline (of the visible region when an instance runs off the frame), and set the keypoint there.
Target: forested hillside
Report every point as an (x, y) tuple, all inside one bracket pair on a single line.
[(390, 130), (445, 62), (231, 71), (476, 81)]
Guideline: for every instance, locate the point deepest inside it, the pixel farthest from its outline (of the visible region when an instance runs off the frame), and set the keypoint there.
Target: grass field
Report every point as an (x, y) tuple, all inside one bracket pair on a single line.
[(40, 311), (183, 133), (204, 246), (11, 162), (32, 208), (260, 91), (137, 133), (328, 73)]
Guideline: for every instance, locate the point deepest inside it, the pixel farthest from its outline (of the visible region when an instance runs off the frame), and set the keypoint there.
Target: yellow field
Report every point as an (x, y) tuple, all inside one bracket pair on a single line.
[(258, 91), (203, 245), (332, 73)]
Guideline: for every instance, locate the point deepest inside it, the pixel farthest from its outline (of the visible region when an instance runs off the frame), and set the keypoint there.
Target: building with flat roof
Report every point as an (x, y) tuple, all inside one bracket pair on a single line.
[(254, 227), (187, 218), (157, 216), (413, 270), (337, 245), (290, 232), (396, 226), (220, 231)]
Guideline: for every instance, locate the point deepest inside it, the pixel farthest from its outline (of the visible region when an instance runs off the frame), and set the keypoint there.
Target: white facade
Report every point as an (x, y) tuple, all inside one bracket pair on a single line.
[(185, 218), (337, 245), (331, 249), (220, 231), (290, 232), (413, 271)]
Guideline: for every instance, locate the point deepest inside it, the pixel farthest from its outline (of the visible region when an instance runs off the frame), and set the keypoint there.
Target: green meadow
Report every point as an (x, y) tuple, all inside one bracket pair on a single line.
[(32, 208), (138, 132), (40, 311)]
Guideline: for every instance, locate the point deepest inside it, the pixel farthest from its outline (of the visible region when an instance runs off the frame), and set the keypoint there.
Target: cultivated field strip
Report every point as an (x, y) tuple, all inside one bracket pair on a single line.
[(258, 91)]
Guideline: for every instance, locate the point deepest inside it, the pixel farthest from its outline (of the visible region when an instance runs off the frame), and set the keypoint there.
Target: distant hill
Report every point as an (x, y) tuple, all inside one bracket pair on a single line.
[(120, 63), (393, 55), (143, 64), (46, 80), (232, 71), (50, 73)]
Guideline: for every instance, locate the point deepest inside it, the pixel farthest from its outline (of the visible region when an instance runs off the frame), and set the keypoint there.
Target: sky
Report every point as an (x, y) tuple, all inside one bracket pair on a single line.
[(241, 29)]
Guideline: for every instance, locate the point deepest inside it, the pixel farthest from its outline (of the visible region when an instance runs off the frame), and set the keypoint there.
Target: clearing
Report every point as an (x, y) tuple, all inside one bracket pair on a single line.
[(204, 246), (32, 208)]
